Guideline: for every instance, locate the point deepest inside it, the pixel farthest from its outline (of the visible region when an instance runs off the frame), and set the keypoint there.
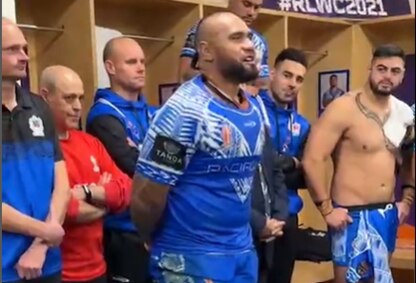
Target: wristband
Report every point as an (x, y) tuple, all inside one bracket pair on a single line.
[(325, 207), (88, 194)]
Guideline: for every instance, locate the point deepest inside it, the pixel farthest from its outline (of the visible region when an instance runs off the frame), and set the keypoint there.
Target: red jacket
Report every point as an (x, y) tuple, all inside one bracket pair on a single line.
[(82, 248)]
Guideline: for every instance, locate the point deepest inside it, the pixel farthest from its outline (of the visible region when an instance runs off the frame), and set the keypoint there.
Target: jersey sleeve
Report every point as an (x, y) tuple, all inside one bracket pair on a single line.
[(189, 48), (170, 142)]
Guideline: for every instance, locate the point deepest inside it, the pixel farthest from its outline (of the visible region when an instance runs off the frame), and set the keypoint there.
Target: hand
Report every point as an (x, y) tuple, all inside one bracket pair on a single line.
[(147, 246), (31, 262), (404, 211), (338, 219), (273, 228), (277, 227), (78, 193), (53, 233), (104, 179), (298, 164), (131, 143)]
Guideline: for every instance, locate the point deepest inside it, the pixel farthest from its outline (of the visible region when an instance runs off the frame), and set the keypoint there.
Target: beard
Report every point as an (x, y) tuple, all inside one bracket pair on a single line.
[(379, 91), (237, 72)]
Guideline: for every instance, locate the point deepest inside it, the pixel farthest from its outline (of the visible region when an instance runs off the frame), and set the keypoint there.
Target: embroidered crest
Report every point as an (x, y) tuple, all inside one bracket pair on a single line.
[(95, 166), (296, 129), (36, 125)]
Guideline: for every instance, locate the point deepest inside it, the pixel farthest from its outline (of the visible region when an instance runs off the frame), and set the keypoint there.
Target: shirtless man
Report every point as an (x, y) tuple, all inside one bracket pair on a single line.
[(366, 132)]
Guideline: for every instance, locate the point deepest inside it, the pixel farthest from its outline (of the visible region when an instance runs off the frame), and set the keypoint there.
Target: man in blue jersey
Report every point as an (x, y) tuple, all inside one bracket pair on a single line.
[(248, 11), (35, 189), (120, 118), (333, 92), (192, 188), (289, 131)]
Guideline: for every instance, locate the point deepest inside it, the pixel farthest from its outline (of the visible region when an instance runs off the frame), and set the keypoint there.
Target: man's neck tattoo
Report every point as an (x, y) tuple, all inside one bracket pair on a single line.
[(369, 114)]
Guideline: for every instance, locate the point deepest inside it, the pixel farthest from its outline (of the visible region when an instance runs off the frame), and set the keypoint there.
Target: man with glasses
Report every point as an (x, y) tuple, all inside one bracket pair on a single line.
[(35, 190)]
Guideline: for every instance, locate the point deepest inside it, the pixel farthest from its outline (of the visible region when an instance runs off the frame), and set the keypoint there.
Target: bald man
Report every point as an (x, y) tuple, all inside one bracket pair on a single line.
[(97, 185), (248, 11), (120, 118), (35, 190), (191, 191)]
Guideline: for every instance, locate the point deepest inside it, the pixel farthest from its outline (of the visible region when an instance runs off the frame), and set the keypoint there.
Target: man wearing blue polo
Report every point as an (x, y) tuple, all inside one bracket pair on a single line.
[(35, 189)]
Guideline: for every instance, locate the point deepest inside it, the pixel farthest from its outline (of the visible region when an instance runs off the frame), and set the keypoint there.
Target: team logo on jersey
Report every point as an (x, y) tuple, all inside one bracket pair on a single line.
[(296, 129), (95, 166), (133, 129), (36, 125)]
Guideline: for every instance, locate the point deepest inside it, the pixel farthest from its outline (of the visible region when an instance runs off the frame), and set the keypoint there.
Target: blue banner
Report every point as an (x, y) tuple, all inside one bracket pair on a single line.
[(353, 9)]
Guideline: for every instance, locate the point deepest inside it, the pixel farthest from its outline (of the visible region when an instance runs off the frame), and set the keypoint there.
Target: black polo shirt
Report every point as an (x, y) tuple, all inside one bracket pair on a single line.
[(30, 149)]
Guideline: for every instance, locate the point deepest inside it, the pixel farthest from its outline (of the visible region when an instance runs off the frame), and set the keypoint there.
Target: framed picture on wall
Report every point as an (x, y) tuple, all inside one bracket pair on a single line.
[(166, 91), (331, 85)]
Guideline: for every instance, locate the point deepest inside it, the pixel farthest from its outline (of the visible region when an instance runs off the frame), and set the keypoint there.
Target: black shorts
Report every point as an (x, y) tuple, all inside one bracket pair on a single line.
[(53, 278), (127, 259)]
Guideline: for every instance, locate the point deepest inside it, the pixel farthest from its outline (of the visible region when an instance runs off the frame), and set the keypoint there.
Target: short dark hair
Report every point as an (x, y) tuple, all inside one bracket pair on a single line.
[(333, 76), (388, 50), (291, 54)]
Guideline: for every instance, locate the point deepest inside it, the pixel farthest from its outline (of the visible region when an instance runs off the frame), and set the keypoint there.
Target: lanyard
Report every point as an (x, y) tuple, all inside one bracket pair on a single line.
[(287, 145), (222, 94)]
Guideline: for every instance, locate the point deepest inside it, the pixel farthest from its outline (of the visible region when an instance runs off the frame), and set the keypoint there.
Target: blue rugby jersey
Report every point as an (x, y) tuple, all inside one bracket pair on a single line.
[(207, 152)]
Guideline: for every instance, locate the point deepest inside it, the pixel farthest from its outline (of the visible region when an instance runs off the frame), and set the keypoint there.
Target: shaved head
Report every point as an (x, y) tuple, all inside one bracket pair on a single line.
[(59, 77), (124, 63), (63, 89), (224, 46), (14, 52), (115, 45), (214, 25)]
